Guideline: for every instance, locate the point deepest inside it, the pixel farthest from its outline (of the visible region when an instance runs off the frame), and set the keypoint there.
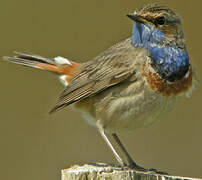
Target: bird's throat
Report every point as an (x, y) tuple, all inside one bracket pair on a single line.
[(169, 61), (144, 35)]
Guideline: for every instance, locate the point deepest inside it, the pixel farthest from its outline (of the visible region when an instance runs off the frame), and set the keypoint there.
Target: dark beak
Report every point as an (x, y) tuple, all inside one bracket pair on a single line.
[(136, 18)]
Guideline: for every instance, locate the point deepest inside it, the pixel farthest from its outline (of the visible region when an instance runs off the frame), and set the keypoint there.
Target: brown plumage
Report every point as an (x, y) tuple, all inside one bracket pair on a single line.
[(122, 89), (104, 71)]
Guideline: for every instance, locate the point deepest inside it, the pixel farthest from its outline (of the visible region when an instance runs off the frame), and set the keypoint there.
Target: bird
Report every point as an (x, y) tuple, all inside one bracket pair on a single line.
[(131, 84)]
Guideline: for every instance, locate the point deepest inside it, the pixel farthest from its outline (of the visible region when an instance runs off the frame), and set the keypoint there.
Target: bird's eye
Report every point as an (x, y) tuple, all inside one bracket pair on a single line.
[(160, 20)]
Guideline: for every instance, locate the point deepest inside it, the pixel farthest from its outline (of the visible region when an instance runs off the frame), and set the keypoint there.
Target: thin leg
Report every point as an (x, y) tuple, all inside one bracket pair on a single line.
[(118, 158), (132, 164)]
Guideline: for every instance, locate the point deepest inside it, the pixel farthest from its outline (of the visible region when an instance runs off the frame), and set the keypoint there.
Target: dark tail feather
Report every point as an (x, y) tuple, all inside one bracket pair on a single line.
[(30, 60)]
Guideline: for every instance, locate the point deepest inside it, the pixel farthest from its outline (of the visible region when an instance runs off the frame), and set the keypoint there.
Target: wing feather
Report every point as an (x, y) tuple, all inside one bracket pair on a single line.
[(107, 69)]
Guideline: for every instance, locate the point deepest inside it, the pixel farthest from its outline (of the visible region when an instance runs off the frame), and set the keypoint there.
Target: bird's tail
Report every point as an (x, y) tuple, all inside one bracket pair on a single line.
[(59, 65)]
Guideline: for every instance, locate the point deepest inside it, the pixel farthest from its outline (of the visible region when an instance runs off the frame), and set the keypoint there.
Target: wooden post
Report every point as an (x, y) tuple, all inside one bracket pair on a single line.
[(99, 171)]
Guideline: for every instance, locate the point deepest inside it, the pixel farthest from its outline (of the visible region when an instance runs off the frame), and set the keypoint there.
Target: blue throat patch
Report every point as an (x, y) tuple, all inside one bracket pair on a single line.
[(170, 62)]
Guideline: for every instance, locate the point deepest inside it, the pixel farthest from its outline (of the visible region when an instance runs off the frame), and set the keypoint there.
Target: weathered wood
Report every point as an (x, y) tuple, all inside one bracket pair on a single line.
[(99, 171)]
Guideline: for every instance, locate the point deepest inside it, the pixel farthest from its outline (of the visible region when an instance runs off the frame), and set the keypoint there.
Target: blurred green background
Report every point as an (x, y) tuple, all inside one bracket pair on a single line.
[(35, 145)]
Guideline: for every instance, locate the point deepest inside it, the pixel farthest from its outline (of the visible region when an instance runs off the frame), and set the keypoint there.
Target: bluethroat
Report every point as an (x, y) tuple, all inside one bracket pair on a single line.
[(131, 84)]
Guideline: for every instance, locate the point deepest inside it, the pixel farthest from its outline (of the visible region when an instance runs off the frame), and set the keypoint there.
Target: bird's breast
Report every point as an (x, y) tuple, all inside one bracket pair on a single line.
[(161, 86)]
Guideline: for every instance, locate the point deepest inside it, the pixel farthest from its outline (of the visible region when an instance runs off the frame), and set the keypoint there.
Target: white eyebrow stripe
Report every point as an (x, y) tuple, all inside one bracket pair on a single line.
[(61, 60)]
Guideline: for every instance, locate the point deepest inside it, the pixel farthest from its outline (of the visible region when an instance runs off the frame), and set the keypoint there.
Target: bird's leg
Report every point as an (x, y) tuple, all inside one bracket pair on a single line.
[(106, 139), (132, 164)]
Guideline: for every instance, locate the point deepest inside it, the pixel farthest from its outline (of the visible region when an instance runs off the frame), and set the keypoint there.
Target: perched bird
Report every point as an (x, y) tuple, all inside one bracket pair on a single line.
[(129, 85)]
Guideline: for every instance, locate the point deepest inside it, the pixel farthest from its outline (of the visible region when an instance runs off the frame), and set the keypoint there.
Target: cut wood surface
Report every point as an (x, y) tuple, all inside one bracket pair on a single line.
[(100, 171)]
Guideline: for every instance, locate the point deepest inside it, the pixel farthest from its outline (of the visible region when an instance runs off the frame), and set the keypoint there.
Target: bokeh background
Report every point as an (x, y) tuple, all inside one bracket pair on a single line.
[(35, 145)]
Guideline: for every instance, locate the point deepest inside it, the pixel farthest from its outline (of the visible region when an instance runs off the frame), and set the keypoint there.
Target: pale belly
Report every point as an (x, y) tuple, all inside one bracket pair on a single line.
[(131, 113), (126, 110)]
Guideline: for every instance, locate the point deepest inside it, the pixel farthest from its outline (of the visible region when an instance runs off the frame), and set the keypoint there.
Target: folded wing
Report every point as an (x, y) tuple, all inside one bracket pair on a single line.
[(111, 67)]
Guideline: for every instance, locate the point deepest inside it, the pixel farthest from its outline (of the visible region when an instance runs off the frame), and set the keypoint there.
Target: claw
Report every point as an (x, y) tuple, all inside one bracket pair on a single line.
[(133, 165), (157, 171)]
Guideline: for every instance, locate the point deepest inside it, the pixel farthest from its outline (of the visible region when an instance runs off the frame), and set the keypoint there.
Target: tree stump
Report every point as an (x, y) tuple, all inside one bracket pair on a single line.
[(100, 171)]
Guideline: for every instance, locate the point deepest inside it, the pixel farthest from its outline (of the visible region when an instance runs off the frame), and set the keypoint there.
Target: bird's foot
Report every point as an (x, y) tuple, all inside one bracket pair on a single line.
[(133, 165), (157, 171)]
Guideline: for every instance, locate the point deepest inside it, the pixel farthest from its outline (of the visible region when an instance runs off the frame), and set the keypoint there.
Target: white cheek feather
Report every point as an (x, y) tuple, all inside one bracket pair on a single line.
[(63, 80), (61, 60)]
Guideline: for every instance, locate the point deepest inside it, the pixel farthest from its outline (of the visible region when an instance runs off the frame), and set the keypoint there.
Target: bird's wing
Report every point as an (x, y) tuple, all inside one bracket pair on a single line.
[(109, 68)]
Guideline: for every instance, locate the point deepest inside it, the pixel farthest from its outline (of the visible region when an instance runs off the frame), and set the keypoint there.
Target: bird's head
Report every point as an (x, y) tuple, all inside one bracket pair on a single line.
[(155, 23), (158, 29)]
